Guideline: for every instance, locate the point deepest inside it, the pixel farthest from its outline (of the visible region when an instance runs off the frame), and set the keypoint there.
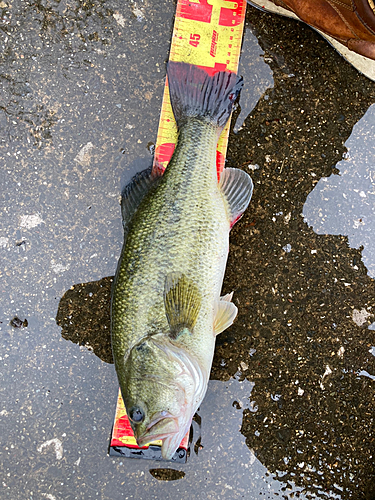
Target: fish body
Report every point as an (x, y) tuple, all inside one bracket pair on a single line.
[(166, 308)]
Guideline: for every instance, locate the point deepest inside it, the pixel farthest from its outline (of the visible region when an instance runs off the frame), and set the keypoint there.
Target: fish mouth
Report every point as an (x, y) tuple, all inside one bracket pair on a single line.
[(167, 429), (160, 428), (170, 445)]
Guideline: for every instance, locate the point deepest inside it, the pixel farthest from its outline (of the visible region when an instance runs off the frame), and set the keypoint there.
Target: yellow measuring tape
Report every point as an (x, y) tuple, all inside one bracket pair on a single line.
[(207, 33)]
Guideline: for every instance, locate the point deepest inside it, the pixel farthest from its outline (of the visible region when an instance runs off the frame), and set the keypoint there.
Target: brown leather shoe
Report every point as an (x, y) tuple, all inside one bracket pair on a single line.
[(349, 25)]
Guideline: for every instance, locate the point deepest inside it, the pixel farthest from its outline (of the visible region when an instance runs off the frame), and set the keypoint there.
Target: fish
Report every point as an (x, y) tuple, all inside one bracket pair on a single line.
[(166, 308)]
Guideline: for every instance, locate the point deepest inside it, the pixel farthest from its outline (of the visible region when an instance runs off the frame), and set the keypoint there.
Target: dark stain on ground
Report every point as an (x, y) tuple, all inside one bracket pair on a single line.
[(84, 316), (18, 323), (167, 474)]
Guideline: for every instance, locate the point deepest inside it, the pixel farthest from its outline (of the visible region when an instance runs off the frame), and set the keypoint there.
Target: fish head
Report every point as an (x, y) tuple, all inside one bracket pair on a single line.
[(162, 389)]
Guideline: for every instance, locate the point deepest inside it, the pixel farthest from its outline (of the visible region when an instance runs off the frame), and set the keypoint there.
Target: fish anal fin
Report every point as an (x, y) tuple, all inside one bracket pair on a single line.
[(237, 187), (182, 302), (134, 192), (225, 314)]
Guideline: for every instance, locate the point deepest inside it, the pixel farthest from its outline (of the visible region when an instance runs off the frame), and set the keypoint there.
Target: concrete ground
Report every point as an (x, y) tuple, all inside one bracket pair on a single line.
[(289, 411)]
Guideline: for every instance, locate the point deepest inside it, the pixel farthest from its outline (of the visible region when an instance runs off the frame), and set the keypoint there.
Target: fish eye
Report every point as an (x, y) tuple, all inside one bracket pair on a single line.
[(136, 414)]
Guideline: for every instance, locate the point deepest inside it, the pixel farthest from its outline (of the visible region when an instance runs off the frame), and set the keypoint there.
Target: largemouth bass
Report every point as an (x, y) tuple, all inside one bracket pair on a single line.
[(166, 308)]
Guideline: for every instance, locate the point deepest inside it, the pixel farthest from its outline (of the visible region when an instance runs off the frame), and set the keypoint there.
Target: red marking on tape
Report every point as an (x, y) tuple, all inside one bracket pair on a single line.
[(196, 11), (220, 162), (164, 152)]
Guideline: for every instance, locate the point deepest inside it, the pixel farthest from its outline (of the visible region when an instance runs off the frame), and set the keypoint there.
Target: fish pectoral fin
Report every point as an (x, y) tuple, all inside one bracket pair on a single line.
[(182, 302), (225, 313), (237, 187), (135, 191)]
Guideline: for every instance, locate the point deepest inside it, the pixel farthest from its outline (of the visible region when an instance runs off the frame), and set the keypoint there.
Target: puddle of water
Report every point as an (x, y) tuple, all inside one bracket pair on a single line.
[(344, 203), (252, 64)]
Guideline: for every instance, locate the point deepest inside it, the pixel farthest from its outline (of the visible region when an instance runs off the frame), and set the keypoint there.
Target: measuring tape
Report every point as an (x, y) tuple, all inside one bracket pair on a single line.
[(207, 33)]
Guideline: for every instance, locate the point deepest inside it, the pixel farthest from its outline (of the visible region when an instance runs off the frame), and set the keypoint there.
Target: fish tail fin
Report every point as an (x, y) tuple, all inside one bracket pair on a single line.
[(194, 93)]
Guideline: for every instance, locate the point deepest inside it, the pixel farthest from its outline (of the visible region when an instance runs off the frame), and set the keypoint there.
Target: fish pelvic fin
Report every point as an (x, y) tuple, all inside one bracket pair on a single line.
[(134, 192), (182, 302), (225, 313), (194, 93), (237, 188)]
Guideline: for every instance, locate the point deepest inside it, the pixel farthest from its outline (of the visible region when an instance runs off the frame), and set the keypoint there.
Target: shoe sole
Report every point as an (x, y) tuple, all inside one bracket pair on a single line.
[(363, 64)]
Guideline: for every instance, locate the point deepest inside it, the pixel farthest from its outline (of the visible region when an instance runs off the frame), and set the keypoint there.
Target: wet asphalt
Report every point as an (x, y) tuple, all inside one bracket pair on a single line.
[(289, 411)]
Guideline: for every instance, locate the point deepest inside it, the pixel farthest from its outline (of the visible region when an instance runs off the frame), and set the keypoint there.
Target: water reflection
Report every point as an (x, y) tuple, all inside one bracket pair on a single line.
[(344, 203), (259, 77)]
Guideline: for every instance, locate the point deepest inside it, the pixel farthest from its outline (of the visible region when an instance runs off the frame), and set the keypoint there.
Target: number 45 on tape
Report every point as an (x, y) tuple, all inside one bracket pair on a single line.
[(207, 33)]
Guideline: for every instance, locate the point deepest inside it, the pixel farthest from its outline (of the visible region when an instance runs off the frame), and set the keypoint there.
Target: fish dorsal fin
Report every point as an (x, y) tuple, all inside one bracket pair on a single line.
[(225, 313), (182, 302), (134, 192), (237, 187)]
